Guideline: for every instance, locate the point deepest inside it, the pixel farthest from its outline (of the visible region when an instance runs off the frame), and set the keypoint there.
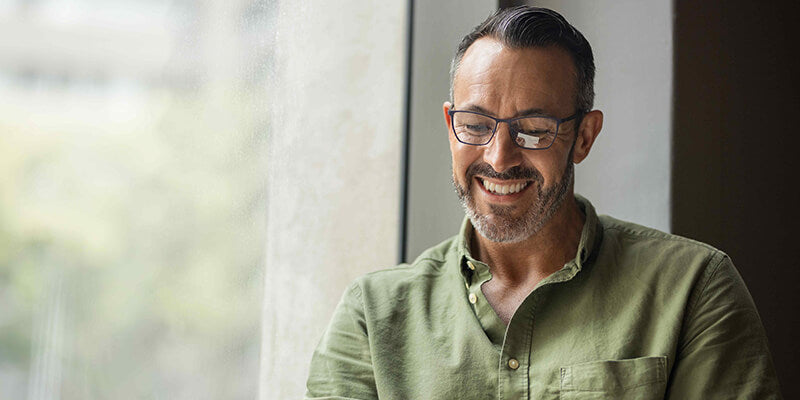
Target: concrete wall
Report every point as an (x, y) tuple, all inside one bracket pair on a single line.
[(334, 145)]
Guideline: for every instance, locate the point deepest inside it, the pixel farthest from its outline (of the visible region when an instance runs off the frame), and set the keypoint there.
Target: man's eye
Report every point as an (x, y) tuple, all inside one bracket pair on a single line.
[(477, 129)]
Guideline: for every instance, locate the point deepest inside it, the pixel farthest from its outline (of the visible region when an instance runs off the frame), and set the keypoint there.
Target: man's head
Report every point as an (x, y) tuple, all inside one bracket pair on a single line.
[(525, 27), (520, 62)]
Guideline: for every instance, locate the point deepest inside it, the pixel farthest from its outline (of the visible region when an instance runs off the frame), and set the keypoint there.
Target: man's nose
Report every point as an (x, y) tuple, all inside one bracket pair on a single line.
[(502, 153)]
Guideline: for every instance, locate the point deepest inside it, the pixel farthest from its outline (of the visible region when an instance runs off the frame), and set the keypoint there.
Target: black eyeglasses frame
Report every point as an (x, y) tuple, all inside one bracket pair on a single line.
[(511, 131)]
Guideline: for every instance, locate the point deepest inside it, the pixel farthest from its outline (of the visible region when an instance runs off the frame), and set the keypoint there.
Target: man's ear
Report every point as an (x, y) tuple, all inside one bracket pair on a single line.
[(446, 107), (590, 127)]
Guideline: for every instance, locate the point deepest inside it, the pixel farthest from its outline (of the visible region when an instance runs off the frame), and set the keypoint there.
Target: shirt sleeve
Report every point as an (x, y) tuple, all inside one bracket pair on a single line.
[(341, 367), (723, 351)]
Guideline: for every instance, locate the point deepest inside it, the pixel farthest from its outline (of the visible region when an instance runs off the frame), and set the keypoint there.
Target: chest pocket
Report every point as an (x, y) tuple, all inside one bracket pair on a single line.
[(636, 378)]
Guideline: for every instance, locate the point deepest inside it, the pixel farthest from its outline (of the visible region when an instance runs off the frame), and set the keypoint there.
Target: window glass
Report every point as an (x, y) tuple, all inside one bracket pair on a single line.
[(132, 197)]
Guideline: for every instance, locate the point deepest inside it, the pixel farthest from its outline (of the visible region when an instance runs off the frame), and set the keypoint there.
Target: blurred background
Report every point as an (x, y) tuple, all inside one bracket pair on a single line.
[(132, 197), (187, 186)]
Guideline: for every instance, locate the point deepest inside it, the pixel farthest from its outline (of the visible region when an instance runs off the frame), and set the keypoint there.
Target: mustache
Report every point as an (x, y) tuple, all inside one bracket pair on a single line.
[(517, 172)]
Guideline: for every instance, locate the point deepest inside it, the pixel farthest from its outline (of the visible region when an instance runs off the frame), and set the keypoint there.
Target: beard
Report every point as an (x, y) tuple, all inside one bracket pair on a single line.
[(500, 224)]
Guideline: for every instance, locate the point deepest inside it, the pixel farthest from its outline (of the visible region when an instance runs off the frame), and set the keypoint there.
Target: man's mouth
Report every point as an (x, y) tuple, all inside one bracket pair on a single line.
[(501, 189)]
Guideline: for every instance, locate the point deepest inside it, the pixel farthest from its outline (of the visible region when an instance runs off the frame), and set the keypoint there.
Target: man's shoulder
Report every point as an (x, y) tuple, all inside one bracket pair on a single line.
[(620, 228), (431, 265), (660, 247)]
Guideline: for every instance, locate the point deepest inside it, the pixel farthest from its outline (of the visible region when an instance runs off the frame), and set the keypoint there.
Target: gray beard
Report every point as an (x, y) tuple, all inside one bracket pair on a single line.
[(499, 225)]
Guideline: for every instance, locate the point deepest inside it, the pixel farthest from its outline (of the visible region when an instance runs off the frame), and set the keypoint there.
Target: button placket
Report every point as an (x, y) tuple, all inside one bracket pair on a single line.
[(516, 352)]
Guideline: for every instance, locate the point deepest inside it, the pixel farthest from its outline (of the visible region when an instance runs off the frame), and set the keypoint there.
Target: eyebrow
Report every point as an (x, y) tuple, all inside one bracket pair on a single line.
[(524, 113)]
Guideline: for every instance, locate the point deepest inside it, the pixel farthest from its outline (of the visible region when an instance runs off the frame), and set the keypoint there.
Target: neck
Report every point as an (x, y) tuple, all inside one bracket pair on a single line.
[(531, 260)]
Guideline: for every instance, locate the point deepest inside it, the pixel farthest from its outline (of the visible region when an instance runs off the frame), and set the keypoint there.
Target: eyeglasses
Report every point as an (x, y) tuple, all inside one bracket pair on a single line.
[(534, 133)]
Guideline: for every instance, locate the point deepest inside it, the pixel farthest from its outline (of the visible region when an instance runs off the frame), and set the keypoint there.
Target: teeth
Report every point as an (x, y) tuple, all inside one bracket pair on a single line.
[(504, 189)]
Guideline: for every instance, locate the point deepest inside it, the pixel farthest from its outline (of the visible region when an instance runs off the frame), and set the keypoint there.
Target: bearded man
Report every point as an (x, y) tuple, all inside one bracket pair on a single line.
[(537, 297)]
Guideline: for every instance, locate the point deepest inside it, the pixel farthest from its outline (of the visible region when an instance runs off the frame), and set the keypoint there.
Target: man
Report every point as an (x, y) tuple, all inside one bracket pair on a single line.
[(538, 297)]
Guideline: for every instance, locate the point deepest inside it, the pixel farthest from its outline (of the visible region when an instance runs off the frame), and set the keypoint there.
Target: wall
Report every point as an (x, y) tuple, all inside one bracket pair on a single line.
[(735, 153), (434, 212), (334, 141), (627, 173)]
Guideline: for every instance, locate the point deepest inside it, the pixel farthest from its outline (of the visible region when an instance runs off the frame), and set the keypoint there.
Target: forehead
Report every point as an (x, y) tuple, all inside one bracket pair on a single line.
[(509, 80)]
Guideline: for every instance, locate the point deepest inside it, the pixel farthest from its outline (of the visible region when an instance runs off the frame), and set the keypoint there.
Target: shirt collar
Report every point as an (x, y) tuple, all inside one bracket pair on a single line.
[(591, 235)]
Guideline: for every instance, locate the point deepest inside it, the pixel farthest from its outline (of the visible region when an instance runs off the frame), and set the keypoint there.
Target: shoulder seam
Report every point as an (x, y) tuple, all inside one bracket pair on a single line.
[(406, 266), (656, 234)]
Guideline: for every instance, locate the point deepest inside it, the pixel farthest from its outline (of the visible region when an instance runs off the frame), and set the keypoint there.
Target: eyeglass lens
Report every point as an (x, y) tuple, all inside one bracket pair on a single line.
[(530, 132)]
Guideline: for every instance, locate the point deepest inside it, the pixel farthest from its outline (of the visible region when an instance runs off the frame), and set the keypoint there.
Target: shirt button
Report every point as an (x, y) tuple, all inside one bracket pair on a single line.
[(513, 363), (471, 265), (472, 298)]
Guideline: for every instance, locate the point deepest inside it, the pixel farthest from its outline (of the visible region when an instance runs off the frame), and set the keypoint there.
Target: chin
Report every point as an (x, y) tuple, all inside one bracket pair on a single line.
[(503, 229)]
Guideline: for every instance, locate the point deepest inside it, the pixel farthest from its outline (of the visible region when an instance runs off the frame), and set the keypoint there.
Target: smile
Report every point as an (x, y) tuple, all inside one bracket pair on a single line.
[(503, 189)]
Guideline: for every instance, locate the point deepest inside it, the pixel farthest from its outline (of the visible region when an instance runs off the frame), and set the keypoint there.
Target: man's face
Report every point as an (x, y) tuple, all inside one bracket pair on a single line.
[(506, 83)]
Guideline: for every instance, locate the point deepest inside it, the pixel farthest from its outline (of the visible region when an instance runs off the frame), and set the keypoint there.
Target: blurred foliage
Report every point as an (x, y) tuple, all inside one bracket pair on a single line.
[(146, 230), (132, 198)]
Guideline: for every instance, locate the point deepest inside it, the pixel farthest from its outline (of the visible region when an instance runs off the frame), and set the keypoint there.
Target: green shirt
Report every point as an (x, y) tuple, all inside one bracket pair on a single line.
[(638, 314)]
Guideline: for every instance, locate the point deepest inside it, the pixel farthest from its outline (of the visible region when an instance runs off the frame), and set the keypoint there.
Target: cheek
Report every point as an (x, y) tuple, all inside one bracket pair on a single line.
[(463, 156), (459, 171), (551, 166)]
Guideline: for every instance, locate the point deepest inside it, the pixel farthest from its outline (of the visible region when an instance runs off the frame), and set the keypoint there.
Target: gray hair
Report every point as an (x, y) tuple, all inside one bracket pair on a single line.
[(524, 27)]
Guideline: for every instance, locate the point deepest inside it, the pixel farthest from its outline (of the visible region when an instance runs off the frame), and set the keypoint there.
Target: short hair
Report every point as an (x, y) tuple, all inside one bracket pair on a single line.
[(526, 26)]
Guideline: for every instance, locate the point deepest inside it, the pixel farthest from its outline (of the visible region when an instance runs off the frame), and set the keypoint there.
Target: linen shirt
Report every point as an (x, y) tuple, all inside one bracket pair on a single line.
[(637, 314)]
